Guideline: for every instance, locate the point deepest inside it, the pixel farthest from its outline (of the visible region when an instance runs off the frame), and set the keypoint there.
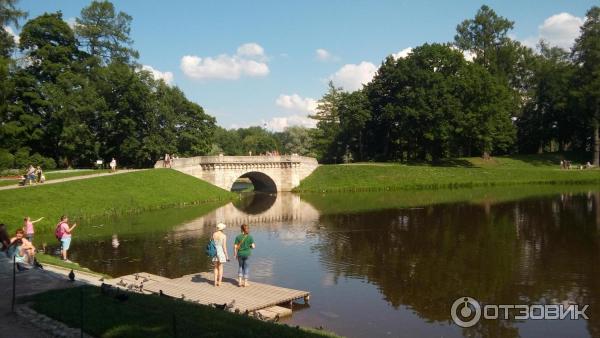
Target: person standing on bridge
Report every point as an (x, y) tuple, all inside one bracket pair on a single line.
[(244, 243), (222, 257)]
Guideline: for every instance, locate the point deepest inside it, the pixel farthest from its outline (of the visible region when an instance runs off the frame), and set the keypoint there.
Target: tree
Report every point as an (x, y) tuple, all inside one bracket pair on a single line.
[(586, 54), (105, 33), (485, 36), (10, 14), (328, 126), (296, 140), (354, 114)]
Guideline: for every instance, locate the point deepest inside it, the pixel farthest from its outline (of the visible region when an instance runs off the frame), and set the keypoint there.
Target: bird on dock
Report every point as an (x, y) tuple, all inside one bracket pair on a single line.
[(230, 306), (219, 306), (122, 283), (72, 276), (182, 296), (145, 279), (105, 289), (137, 276)]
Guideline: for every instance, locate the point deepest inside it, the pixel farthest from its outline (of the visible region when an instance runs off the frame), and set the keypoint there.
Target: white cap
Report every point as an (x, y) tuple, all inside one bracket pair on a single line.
[(221, 226)]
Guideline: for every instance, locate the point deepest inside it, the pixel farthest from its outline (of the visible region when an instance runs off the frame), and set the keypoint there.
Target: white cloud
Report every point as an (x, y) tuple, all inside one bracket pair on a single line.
[(402, 54), (11, 32), (249, 61), (250, 49), (297, 103), (281, 122), (157, 74), (352, 76), (559, 30), (324, 55)]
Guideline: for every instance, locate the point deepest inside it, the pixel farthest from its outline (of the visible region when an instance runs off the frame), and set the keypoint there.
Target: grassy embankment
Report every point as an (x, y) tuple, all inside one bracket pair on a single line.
[(462, 173), (54, 175), (105, 196), (153, 316)]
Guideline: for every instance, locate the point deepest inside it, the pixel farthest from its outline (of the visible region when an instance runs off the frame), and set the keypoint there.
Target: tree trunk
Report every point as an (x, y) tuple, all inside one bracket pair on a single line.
[(596, 145)]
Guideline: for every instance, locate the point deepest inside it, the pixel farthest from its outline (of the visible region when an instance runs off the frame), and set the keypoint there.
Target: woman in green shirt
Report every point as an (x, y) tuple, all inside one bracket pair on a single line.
[(244, 243)]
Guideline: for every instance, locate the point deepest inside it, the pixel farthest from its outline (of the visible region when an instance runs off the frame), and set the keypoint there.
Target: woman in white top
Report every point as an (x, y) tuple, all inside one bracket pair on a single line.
[(221, 244), (113, 165)]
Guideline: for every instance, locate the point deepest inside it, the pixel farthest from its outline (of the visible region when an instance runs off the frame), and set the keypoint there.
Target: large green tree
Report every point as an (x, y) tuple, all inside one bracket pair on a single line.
[(105, 33), (586, 54)]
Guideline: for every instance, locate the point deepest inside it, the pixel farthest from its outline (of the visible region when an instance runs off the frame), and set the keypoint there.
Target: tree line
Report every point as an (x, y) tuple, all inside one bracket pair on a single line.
[(71, 96), (435, 104)]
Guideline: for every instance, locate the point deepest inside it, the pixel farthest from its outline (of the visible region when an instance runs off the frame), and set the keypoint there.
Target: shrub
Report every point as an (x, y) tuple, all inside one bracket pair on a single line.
[(7, 160)]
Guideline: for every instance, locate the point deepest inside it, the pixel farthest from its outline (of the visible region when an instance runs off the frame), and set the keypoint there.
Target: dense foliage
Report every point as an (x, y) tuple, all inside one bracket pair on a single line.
[(71, 97), (483, 94)]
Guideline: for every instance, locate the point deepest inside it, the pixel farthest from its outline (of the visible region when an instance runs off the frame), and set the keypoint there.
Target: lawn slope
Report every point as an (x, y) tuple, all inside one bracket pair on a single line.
[(107, 195), (470, 172)]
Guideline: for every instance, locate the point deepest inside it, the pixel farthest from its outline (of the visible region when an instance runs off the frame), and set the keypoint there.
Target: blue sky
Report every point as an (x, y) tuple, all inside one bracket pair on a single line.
[(256, 62)]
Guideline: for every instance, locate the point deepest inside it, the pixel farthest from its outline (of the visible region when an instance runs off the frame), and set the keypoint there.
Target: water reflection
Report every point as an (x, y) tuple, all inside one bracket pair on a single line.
[(394, 271)]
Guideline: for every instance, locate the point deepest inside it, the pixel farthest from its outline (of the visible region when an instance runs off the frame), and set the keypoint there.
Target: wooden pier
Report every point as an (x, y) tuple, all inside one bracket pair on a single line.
[(199, 288)]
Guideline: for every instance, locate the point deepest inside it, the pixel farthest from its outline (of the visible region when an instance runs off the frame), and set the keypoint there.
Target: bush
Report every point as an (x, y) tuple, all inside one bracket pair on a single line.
[(44, 162), (22, 158), (7, 160)]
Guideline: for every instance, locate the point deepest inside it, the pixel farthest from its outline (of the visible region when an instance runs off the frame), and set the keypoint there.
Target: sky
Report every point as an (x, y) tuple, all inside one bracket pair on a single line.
[(266, 63)]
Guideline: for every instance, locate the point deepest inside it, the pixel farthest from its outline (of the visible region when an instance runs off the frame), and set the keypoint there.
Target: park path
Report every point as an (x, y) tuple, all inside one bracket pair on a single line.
[(66, 179)]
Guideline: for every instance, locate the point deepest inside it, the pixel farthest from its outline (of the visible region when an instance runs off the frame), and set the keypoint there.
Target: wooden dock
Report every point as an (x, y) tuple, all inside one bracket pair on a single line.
[(199, 288)]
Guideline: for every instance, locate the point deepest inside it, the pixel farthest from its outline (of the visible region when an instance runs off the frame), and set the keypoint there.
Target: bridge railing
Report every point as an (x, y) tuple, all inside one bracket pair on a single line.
[(199, 160)]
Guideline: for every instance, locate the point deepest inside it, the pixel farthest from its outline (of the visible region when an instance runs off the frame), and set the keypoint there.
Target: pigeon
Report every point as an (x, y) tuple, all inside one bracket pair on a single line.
[(229, 306), (37, 264), (105, 289), (72, 276), (219, 306), (182, 296), (122, 297), (121, 283), (137, 276)]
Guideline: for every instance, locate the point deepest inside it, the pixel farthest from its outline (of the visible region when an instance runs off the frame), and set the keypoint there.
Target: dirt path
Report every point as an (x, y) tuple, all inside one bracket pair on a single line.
[(66, 179)]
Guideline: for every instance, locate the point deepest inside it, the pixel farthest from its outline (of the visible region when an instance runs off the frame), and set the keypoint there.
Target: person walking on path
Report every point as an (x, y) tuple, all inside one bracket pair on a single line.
[(63, 233), (28, 227), (167, 161), (221, 245), (244, 243), (30, 177), (113, 165)]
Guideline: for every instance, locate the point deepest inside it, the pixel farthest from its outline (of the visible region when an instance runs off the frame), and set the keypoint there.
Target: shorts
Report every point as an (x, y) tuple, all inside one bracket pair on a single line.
[(65, 243), (29, 237)]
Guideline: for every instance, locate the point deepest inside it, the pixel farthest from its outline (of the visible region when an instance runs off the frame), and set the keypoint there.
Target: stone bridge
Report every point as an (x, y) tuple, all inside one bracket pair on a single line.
[(267, 173)]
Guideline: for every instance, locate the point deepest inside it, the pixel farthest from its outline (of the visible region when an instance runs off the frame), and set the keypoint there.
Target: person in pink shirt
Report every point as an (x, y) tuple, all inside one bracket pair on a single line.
[(63, 233), (28, 227)]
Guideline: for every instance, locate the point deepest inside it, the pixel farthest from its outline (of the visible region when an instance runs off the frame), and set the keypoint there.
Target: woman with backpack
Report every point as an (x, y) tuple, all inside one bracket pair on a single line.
[(244, 243), (63, 234), (220, 241)]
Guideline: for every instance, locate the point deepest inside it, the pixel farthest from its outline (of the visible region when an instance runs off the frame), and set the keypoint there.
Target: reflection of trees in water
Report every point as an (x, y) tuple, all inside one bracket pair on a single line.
[(509, 253)]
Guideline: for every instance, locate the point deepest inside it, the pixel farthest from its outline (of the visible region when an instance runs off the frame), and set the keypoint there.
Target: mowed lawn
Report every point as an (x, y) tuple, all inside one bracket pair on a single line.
[(107, 195), (469, 172)]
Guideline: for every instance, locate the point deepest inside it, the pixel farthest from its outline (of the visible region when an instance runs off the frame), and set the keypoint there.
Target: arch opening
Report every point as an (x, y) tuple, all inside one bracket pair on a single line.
[(260, 181)]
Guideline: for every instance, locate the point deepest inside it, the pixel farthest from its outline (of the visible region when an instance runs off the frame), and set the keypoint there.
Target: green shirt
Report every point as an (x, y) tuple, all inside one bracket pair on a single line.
[(246, 246)]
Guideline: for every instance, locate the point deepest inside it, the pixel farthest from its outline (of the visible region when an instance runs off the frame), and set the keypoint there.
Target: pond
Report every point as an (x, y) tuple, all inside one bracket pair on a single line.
[(386, 264)]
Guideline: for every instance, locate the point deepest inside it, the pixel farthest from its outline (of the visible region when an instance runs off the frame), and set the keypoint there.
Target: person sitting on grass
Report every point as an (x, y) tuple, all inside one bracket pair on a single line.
[(63, 234), (21, 248)]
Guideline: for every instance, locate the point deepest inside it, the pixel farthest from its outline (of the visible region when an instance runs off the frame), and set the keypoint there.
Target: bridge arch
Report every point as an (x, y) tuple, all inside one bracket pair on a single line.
[(261, 181)]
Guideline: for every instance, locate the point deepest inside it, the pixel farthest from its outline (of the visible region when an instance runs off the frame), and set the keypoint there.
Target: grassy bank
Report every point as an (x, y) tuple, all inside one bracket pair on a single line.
[(468, 172), (336, 203), (152, 316), (105, 196)]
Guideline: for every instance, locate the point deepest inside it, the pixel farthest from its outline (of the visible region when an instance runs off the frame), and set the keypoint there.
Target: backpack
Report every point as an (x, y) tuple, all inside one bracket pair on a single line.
[(58, 232), (211, 249)]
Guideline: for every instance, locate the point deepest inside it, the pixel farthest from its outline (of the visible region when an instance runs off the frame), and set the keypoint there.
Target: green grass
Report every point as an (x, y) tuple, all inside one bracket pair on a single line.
[(106, 196), (54, 175), (468, 172), (357, 202), (52, 260), (152, 316)]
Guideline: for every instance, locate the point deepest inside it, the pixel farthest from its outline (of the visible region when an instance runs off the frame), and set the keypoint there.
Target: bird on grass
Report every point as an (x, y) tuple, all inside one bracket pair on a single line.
[(122, 297), (37, 264), (72, 276)]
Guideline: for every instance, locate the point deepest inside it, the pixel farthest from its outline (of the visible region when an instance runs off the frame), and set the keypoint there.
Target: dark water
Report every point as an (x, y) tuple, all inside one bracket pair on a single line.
[(392, 269)]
